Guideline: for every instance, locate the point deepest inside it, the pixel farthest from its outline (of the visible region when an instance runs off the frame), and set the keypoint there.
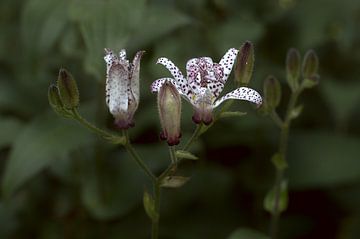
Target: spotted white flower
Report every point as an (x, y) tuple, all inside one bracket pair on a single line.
[(122, 86), (203, 84)]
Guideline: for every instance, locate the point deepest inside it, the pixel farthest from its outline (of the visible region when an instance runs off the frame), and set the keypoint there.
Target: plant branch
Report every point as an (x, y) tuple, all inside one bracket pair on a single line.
[(137, 158), (283, 144)]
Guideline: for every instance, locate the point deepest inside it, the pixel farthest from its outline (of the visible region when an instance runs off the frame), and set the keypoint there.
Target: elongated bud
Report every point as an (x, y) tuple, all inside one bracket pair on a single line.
[(68, 89), (293, 68), (272, 93), (169, 104), (244, 63), (54, 97), (310, 64)]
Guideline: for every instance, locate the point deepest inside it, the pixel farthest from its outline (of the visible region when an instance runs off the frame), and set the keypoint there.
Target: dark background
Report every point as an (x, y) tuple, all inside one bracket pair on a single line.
[(60, 181)]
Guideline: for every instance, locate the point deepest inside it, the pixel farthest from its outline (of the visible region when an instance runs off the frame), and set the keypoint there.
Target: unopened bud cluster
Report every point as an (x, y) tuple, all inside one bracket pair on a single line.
[(64, 96), (299, 75)]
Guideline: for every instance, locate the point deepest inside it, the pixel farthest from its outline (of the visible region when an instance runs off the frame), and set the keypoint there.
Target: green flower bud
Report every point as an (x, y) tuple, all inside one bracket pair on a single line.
[(68, 89), (272, 93), (311, 81), (169, 105), (293, 68), (310, 64), (54, 97), (244, 63)]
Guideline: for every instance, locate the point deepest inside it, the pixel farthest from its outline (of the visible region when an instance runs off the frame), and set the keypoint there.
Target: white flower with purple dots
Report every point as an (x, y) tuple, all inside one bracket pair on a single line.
[(122, 86), (204, 82)]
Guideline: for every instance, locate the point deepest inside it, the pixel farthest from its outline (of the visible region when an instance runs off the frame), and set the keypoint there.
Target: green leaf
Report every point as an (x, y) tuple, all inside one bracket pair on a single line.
[(296, 111), (269, 201), (185, 155), (236, 30), (246, 233), (323, 159), (9, 128), (174, 181), (40, 142), (341, 97), (160, 20), (149, 206), (113, 186), (105, 24), (42, 23), (279, 162), (232, 114)]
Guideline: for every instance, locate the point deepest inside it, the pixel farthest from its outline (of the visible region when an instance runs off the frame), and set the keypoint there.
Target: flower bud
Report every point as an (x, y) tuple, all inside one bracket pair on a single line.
[(203, 113), (68, 89), (272, 93), (54, 97), (245, 63), (293, 68), (310, 64), (169, 105)]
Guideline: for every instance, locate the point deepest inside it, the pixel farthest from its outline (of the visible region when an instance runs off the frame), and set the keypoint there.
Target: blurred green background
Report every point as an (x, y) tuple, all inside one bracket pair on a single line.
[(60, 181)]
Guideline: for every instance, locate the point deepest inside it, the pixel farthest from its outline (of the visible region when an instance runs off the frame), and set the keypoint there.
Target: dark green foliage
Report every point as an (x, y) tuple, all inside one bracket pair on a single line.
[(58, 181)]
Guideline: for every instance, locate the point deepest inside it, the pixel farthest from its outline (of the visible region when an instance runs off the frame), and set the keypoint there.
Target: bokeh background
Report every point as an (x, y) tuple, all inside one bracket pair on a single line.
[(60, 181)]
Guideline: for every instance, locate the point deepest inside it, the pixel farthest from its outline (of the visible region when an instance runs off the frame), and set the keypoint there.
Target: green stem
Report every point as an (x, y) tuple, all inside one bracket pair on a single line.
[(90, 126), (137, 158), (172, 154), (276, 118), (157, 192), (155, 221), (283, 144), (193, 137)]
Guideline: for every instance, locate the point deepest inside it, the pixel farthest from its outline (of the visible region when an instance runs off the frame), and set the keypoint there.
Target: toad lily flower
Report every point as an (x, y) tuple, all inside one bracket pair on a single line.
[(122, 86), (204, 83)]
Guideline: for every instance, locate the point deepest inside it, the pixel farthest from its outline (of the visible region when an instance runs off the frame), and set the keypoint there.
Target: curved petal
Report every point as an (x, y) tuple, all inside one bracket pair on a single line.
[(242, 93), (135, 76), (156, 85), (227, 62), (122, 54), (110, 59), (174, 70), (186, 94), (116, 89), (193, 74)]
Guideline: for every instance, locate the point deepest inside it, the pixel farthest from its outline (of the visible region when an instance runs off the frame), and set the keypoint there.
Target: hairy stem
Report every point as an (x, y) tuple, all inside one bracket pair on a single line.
[(193, 137), (283, 144), (90, 126), (135, 156), (155, 221)]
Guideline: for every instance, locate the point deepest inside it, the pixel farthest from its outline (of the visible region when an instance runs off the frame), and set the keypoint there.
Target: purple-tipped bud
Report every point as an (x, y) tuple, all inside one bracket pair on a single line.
[(244, 63), (293, 68), (169, 105), (203, 113), (272, 93), (68, 89), (310, 64)]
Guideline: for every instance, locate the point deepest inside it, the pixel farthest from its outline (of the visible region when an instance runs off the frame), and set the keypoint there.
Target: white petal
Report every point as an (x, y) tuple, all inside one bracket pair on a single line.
[(135, 76), (156, 85), (117, 89), (110, 59), (242, 93), (176, 73), (122, 54), (193, 74), (227, 62)]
